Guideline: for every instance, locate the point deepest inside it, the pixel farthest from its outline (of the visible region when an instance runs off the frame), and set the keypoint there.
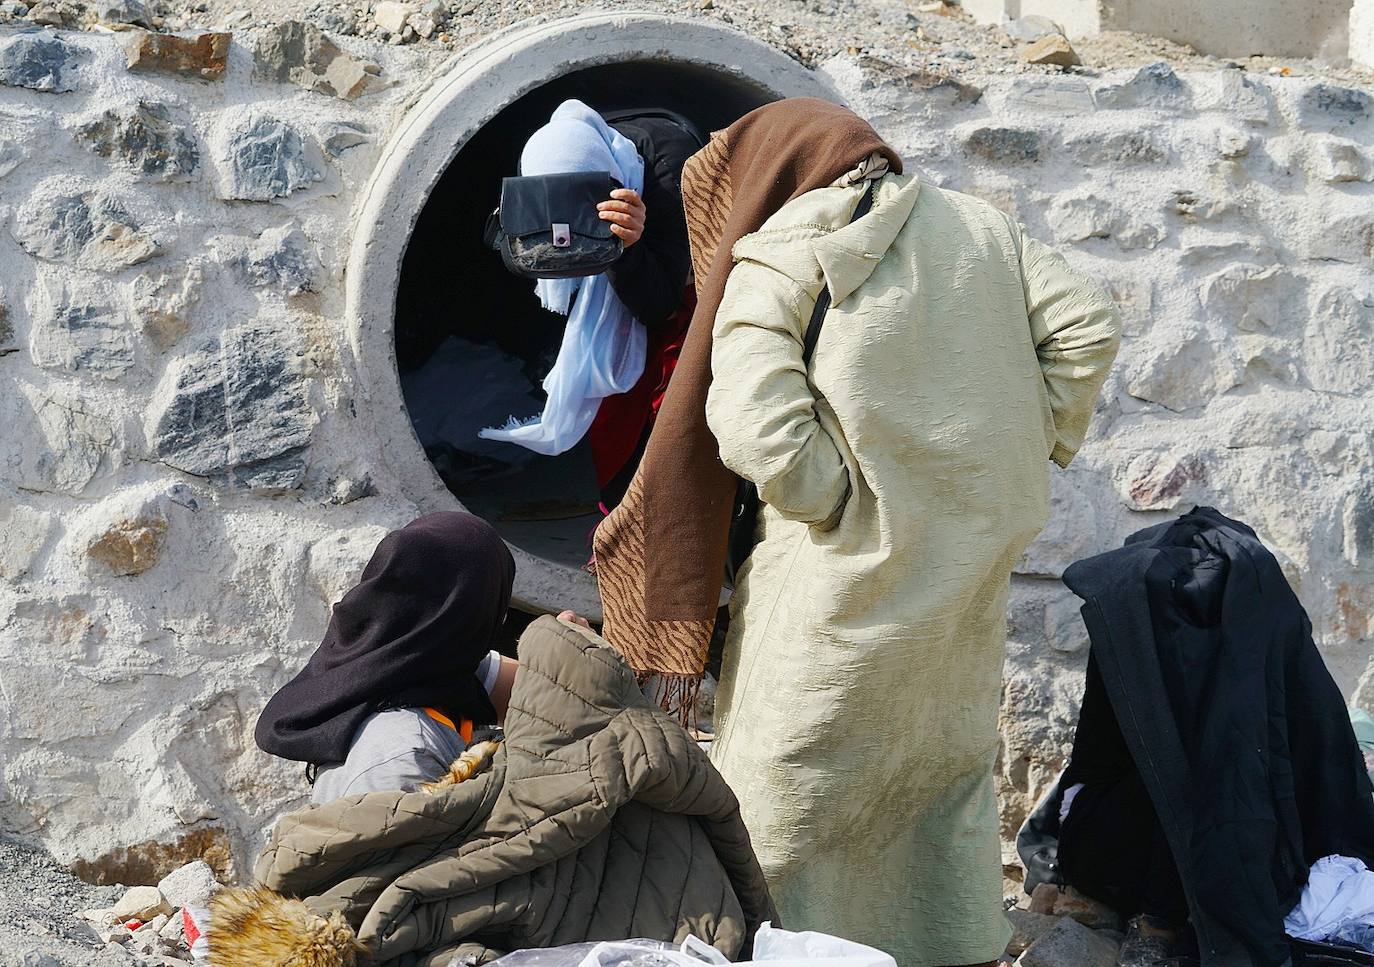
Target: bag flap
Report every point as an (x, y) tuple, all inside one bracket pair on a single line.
[(536, 203)]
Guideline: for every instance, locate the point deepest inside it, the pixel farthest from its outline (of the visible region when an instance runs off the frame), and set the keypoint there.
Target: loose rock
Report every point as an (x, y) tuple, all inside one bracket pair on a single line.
[(302, 54), (267, 160), (141, 903), (202, 55), (145, 139), (40, 63), (1031, 27), (124, 12), (1028, 927), (1054, 50), (191, 884), (92, 230), (47, 13), (1070, 944), (392, 16)]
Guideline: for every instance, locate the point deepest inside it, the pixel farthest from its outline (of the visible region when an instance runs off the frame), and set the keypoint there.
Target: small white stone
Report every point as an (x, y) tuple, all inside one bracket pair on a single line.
[(192, 884), (391, 16), (141, 903)]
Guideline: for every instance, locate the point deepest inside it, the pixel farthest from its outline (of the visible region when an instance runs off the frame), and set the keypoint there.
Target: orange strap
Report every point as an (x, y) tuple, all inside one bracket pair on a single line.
[(463, 728)]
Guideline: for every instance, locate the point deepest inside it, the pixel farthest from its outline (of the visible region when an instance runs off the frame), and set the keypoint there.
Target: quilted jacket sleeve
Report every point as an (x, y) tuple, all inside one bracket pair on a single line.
[(761, 407), (1076, 331)]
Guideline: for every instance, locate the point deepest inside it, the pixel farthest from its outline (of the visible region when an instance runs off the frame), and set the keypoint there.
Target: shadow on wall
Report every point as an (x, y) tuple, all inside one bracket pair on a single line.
[(472, 342)]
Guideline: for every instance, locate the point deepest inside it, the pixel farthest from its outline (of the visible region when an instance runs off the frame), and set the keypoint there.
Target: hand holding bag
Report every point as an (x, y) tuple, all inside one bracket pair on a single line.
[(548, 227)]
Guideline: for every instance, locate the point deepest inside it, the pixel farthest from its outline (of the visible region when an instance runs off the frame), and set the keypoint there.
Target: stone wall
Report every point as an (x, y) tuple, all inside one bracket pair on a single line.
[(189, 474), (1231, 216)]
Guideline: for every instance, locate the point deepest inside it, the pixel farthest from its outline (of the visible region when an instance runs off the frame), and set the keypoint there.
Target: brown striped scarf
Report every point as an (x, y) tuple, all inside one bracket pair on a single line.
[(660, 555)]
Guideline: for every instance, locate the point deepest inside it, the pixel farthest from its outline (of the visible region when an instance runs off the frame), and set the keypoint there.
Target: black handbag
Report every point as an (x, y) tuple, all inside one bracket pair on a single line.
[(744, 523), (547, 226)]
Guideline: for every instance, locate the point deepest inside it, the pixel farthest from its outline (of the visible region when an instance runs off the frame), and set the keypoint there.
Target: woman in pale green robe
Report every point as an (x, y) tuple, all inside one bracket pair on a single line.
[(857, 710)]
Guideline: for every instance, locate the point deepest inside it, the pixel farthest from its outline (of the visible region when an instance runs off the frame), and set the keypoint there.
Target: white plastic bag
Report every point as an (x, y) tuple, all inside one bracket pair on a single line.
[(772, 947), (622, 953), (784, 948)]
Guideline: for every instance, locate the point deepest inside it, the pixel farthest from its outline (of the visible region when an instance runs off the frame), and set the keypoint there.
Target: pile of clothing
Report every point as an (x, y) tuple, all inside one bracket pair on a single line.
[(1215, 773)]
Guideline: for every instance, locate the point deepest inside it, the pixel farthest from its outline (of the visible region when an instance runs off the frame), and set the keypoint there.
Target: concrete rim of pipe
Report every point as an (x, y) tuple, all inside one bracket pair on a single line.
[(482, 82)]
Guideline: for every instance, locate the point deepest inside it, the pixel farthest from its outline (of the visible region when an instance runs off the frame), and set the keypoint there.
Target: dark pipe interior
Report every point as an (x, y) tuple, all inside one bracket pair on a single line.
[(472, 341)]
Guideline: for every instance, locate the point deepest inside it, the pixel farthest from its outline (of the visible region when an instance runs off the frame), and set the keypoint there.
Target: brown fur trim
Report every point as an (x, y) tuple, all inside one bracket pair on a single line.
[(467, 765), (258, 927)]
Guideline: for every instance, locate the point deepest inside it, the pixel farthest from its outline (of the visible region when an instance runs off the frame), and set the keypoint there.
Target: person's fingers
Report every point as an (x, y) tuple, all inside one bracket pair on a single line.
[(572, 617), (630, 235), (620, 218), (618, 206), (626, 194)]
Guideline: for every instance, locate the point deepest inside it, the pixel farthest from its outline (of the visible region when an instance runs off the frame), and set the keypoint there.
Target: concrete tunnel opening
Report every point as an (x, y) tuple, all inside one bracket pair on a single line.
[(446, 341), (470, 362)]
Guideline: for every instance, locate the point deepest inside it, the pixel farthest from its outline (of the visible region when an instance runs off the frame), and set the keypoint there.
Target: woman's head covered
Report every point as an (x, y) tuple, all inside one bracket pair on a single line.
[(576, 138), (426, 611), (751, 169)]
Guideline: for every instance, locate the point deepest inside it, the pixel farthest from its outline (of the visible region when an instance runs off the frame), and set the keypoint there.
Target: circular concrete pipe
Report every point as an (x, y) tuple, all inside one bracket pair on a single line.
[(445, 341)]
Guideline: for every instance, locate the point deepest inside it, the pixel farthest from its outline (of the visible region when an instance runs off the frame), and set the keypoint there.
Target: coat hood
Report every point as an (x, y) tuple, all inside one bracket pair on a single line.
[(812, 239)]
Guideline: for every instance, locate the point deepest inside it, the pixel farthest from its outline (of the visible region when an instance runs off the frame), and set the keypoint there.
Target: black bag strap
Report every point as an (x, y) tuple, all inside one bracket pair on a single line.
[(813, 328), (741, 539)]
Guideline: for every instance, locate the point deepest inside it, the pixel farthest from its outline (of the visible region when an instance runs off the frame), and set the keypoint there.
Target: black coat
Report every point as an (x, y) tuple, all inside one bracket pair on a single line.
[(1238, 730), (652, 274)]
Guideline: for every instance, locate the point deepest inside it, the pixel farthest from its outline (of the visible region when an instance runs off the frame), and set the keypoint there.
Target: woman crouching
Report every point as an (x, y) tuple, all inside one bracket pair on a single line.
[(406, 673), (596, 818)]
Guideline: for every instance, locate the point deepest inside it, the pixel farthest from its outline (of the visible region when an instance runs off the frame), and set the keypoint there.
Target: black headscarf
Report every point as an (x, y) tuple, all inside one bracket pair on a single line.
[(424, 615)]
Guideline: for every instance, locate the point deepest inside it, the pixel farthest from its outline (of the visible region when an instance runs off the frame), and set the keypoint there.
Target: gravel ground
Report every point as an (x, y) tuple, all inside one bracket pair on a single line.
[(926, 34), (38, 903)]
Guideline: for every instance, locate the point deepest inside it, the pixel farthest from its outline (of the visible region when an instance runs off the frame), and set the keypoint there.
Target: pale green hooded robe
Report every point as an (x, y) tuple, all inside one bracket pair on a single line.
[(857, 711)]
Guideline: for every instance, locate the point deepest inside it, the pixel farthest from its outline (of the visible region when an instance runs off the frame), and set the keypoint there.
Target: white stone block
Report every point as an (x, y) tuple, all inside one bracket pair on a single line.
[(988, 11), (1079, 18), (1238, 28), (1362, 32)]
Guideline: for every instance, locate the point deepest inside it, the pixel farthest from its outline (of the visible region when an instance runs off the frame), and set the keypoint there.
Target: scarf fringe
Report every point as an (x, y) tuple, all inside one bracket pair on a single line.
[(675, 694)]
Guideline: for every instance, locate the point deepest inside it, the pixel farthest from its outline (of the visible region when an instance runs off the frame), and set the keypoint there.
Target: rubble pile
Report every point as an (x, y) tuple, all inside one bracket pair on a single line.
[(1060, 927), (158, 924)]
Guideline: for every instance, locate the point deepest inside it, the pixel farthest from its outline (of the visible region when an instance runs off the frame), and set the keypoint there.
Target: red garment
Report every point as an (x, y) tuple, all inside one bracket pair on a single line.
[(621, 421)]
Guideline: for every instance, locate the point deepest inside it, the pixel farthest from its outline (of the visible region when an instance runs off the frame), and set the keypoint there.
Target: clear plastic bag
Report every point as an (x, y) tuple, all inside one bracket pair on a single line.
[(623, 953), (776, 948)]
